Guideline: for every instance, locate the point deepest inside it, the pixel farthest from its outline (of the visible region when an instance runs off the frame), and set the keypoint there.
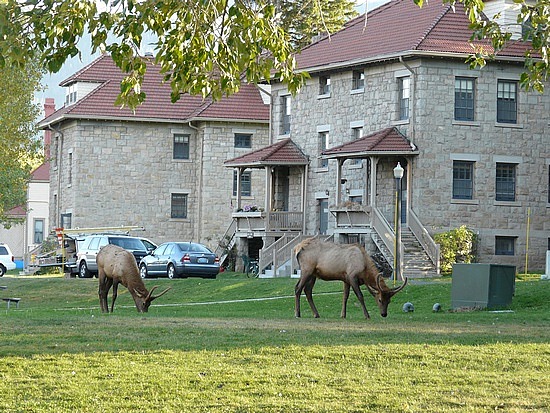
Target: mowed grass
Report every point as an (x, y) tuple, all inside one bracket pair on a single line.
[(233, 345)]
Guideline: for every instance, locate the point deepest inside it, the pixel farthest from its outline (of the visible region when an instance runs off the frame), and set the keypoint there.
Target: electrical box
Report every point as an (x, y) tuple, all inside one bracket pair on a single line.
[(482, 285)]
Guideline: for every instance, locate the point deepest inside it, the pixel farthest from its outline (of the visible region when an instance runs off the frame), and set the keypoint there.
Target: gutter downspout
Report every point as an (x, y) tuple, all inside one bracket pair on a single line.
[(200, 194)]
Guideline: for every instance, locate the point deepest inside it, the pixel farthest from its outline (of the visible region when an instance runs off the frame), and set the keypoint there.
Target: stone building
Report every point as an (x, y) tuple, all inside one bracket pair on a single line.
[(393, 87), (160, 167)]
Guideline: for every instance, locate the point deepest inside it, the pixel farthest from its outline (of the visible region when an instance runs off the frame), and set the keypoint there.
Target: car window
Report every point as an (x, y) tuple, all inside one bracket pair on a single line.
[(160, 249), (200, 248), (3, 251), (94, 243), (148, 244), (103, 241), (127, 243), (184, 246), (169, 249)]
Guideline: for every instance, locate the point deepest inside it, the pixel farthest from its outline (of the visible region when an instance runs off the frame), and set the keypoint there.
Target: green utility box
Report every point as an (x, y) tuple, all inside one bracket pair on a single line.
[(482, 285)]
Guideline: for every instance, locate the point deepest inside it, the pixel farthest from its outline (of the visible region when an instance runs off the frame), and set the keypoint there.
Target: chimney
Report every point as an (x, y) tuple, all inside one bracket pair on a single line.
[(49, 108)]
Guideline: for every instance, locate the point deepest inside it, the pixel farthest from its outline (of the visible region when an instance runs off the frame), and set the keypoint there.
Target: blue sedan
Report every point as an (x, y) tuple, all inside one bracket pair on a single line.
[(180, 259)]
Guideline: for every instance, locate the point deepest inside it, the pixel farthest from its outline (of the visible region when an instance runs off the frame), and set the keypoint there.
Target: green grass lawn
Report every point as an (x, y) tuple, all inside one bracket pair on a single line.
[(233, 345)]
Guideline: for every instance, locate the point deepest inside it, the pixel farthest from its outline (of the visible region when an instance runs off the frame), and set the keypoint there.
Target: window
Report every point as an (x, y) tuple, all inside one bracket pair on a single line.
[(464, 98), (246, 183), (404, 95), (505, 182), (357, 133), (323, 144), (463, 179), (505, 245), (66, 220), (357, 80), (179, 206), (549, 186), (285, 117), (243, 140), (70, 171), (181, 146), (38, 231), (324, 85), (507, 109)]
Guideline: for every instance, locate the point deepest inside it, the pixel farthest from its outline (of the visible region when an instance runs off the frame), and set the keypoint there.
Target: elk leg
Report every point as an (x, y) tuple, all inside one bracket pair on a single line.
[(104, 286), (297, 293), (308, 289), (115, 294), (345, 300), (359, 294)]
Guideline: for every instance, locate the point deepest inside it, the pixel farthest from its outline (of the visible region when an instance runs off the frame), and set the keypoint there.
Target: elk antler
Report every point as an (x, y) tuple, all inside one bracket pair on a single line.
[(397, 289), (151, 297)]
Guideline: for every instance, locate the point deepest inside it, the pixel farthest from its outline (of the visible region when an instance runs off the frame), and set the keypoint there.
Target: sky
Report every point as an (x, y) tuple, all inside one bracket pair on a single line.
[(73, 65)]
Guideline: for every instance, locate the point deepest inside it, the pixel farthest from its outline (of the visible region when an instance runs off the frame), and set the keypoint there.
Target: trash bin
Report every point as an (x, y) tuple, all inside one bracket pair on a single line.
[(482, 285)]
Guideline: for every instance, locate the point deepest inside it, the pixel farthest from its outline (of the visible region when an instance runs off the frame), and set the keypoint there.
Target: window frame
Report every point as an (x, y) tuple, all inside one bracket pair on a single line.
[(286, 114), (507, 106), (464, 191), (324, 143), (181, 150), (179, 211), (505, 181), (246, 183), (324, 85), (404, 97), (501, 244), (39, 232), (463, 102), (238, 140), (357, 80)]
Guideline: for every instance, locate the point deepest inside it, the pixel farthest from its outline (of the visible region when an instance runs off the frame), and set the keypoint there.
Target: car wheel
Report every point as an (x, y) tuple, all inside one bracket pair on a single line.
[(2, 270), (143, 271), (83, 270), (171, 272)]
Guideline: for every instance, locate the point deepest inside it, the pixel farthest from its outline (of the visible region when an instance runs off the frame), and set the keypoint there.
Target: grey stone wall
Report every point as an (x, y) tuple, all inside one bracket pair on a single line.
[(123, 173), (440, 140)]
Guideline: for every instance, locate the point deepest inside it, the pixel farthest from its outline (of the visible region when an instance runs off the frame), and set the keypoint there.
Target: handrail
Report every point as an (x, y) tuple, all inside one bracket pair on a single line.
[(423, 236), (230, 238), (383, 229), (267, 253)]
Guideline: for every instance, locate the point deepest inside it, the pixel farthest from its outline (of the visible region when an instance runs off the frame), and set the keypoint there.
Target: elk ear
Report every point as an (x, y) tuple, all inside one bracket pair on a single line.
[(140, 295), (373, 291), (397, 289), (378, 281)]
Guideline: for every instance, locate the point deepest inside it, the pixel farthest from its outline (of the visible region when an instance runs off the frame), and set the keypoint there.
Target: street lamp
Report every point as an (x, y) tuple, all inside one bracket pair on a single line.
[(398, 175)]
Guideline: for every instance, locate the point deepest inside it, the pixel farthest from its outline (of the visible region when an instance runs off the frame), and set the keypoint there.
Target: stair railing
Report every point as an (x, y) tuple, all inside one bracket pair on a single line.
[(422, 235)]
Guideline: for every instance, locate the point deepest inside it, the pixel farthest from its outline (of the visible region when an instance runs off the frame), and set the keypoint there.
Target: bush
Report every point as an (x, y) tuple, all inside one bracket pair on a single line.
[(457, 245)]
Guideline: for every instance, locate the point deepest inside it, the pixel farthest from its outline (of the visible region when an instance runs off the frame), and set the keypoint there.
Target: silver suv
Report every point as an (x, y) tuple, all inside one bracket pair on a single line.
[(7, 260), (87, 252)]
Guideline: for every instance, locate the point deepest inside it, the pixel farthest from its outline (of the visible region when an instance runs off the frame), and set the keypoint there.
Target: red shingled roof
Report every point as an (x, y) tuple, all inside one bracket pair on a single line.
[(42, 173), (246, 105), (399, 28), (284, 152), (385, 141)]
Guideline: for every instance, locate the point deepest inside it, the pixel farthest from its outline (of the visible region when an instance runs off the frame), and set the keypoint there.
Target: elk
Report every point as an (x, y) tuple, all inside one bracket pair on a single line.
[(117, 266), (348, 263)]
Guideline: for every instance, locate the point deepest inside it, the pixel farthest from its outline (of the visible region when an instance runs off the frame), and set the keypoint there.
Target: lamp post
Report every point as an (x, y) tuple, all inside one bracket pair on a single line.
[(398, 175)]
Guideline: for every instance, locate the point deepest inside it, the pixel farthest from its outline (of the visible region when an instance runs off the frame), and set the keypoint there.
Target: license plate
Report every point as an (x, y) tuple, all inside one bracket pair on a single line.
[(202, 260)]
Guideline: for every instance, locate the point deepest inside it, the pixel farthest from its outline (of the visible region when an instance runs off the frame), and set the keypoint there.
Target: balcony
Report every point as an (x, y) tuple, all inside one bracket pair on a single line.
[(352, 215), (273, 221)]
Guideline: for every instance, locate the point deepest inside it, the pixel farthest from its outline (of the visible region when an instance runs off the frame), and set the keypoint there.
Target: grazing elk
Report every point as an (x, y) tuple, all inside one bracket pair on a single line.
[(348, 263), (117, 266)]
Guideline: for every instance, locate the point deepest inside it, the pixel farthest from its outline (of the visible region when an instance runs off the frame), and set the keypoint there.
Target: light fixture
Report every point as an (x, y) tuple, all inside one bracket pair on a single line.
[(398, 171), (326, 192)]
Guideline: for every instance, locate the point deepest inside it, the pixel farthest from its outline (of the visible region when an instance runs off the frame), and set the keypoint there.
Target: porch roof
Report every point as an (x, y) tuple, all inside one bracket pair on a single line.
[(284, 152), (387, 141)]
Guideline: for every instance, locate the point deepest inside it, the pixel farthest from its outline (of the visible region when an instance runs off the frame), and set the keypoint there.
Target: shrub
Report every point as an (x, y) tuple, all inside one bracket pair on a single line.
[(457, 245)]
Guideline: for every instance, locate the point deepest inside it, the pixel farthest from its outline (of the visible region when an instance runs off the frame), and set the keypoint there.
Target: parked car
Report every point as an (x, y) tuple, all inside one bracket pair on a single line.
[(7, 260), (86, 256), (180, 259)]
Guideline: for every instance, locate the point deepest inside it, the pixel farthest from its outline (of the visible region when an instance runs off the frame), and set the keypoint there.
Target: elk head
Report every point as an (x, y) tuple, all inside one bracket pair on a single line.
[(382, 294), (143, 301)]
